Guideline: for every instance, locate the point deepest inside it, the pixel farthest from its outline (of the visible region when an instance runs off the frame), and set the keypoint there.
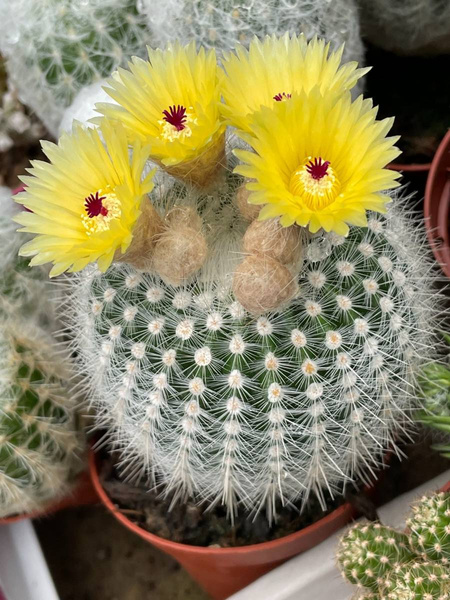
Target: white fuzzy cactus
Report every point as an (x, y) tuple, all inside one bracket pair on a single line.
[(219, 405), (223, 23), (38, 439), (54, 48), (407, 26)]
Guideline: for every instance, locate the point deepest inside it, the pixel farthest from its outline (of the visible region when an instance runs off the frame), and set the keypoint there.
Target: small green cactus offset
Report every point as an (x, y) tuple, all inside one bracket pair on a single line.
[(417, 581), (368, 552), (56, 47), (38, 443), (430, 528), (388, 565)]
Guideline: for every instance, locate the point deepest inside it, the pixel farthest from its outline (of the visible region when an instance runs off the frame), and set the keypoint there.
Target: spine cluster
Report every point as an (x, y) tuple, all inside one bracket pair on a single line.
[(389, 565)]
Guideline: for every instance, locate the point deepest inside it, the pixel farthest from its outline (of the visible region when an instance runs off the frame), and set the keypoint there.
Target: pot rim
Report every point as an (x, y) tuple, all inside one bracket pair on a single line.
[(433, 201), (410, 167), (200, 550)]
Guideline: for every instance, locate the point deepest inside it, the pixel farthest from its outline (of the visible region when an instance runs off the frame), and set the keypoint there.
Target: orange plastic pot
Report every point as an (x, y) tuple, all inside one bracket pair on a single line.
[(83, 494), (437, 205), (223, 571)]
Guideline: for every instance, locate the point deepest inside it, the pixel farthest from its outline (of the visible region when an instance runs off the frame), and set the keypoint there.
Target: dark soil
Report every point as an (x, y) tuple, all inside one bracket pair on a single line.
[(191, 524), (416, 90)]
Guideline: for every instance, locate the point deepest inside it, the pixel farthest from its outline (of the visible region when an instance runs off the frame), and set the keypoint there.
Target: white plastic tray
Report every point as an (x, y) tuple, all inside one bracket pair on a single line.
[(24, 574)]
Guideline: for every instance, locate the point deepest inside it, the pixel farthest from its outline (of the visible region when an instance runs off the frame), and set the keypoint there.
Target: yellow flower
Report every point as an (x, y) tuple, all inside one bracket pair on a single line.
[(171, 103), (86, 201), (274, 69), (319, 161)]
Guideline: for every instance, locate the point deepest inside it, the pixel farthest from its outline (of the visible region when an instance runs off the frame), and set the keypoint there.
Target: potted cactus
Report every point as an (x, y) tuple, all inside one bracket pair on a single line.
[(252, 327), (385, 563)]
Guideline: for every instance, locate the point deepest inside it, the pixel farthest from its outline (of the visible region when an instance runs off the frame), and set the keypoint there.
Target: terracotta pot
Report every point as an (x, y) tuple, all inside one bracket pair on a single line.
[(437, 205), (223, 571), (83, 494)]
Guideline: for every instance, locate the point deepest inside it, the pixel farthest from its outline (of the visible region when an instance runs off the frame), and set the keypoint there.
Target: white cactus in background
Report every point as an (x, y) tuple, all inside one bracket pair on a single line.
[(223, 23), (407, 26), (230, 408), (54, 48)]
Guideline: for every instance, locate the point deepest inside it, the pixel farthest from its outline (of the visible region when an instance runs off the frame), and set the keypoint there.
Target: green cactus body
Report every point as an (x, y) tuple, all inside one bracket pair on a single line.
[(219, 405), (369, 552), (56, 47), (38, 442), (418, 581), (430, 528)]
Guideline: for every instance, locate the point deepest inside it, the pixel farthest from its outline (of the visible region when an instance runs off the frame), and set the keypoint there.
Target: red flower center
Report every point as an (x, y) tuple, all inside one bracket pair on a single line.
[(176, 116), (318, 168), (94, 206), (282, 96)]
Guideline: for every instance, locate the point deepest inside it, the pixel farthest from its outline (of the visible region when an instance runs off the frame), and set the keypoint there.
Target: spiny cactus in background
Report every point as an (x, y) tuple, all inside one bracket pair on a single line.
[(56, 47), (223, 23), (227, 407), (368, 552), (388, 565), (23, 291), (435, 387), (407, 26), (429, 528), (38, 443)]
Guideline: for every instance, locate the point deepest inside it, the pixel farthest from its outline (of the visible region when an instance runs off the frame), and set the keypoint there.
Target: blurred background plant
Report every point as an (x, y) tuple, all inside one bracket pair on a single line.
[(435, 387)]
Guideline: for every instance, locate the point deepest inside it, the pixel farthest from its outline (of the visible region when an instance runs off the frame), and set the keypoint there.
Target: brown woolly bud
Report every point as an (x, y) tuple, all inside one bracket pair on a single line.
[(145, 234), (269, 237), (248, 211), (262, 283), (181, 249), (203, 170), (183, 215)]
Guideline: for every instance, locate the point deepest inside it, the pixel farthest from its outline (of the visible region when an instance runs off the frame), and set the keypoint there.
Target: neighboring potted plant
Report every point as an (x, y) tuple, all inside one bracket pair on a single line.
[(437, 205), (385, 563), (240, 357)]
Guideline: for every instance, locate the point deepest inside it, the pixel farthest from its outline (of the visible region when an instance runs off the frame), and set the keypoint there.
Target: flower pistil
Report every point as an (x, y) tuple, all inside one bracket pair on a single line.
[(316, 183)]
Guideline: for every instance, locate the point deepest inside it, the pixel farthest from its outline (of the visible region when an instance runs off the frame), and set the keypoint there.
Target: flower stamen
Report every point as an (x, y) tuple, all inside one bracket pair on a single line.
[(316, 183), (175, 123)]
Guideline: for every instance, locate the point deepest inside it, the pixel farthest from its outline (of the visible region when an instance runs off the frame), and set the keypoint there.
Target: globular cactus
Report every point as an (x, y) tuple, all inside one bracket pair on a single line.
[(223, 23), (369, 551), (54, 48), (429, 528), (38, 440), (417, 581), (227, 407), (407, 26), (386, 564)]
